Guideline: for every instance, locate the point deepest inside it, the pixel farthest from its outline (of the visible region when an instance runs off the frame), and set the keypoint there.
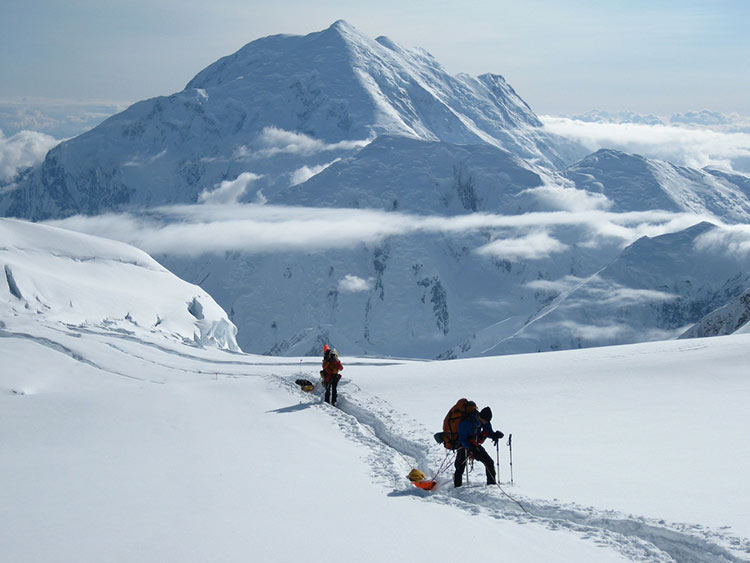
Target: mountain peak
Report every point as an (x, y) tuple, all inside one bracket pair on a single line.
[(342, 25)]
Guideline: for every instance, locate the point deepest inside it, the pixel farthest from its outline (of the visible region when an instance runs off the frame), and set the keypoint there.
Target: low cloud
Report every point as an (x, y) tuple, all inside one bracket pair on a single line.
[(354, 284), (139, 161), (694, 147), (561, 285), (273, 141), (304, 173), (228, 191), (530, 247), (569, 198), (730, 239), (252, 228), (59, 118), (581, 292), (610, 331), (24, 149)]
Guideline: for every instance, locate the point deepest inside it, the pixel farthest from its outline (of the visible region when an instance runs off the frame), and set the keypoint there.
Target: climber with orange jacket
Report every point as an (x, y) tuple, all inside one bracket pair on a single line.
[(331, 374)]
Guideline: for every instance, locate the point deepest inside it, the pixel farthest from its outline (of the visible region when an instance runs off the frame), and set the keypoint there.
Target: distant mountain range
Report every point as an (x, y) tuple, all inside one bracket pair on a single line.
[(337, 121), (702, 118)]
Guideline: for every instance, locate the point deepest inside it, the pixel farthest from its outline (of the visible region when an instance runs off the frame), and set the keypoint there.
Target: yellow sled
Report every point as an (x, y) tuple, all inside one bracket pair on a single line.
[(305, 384)]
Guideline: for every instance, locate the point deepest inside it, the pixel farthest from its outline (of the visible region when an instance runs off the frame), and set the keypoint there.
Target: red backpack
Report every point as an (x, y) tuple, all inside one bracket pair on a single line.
[(458, 412)]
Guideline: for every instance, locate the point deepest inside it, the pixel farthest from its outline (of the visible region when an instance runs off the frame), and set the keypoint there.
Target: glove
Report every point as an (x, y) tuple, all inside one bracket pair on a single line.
[(497, 436)]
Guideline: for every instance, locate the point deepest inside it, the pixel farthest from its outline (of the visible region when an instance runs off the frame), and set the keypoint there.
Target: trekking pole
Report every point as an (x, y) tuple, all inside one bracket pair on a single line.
[(510, 446), (497, 453)]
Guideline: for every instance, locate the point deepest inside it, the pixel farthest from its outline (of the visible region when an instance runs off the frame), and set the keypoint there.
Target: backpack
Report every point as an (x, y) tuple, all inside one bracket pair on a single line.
[(458, 412)]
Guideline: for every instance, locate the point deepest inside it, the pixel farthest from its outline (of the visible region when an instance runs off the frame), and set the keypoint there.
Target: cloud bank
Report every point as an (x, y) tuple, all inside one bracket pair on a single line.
[(209, 228), (22, 150), (692, 147)]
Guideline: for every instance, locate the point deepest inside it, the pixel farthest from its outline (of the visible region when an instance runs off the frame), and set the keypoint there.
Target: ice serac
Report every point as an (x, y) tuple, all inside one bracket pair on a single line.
[(276, 105), (66, 278)]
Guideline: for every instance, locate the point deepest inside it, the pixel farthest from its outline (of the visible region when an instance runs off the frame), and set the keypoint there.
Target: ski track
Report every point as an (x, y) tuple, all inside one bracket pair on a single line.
[(394, 451), (57, 347)]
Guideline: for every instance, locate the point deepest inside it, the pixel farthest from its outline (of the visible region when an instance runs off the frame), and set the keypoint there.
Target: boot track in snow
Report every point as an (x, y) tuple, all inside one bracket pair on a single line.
[(373, 423)]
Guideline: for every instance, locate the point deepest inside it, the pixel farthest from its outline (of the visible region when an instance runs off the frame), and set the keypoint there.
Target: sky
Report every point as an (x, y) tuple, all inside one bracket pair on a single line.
[(562, 57)]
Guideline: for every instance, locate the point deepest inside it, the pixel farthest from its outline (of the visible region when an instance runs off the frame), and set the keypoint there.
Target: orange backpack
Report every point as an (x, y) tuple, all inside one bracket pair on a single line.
[(458, 412)]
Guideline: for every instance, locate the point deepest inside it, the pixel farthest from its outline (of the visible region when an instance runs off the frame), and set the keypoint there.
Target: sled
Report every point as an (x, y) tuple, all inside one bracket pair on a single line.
[(426, 485), (305, 384), (420, 480)]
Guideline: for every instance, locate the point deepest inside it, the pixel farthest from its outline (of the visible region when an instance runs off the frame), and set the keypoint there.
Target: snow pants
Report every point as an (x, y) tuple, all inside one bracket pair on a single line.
[(480, 454), (331, 392)]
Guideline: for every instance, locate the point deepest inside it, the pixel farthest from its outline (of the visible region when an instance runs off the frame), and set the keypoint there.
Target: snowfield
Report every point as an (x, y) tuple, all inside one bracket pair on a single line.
[(125, 441)]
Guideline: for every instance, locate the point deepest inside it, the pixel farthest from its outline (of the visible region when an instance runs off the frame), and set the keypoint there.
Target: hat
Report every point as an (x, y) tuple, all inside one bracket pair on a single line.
[(486, 414)]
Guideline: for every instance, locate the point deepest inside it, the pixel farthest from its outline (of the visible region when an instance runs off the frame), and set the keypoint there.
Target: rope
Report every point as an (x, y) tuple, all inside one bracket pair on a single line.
[(511, 498), (444, 466)]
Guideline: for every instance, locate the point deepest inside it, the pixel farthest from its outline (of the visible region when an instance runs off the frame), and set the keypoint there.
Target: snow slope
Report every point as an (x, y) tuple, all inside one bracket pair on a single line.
[(728, 319), (130, 447), (634, 183), (89, 282)]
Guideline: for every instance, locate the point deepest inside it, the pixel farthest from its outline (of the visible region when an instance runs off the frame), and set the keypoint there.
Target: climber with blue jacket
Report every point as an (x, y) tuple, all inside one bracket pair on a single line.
[(472, 431)]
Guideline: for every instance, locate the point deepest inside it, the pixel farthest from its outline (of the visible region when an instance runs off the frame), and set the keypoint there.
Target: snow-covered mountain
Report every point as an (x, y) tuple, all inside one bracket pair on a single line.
[(426, 177), (654, 290), (69, 279), (734, 317), (277, 106), (635, 183), (481, 216)]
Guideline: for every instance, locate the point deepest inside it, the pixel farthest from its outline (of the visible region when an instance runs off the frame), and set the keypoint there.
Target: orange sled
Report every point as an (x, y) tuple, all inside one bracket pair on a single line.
[(419, 479), (426, 485)]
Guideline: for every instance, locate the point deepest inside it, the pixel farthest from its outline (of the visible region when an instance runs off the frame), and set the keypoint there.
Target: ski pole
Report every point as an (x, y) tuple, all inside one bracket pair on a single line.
[(497, 453), (510, 446)]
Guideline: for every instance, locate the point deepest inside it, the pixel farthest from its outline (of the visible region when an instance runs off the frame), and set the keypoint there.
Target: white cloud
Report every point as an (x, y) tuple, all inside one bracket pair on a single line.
[(141, 161), (354, 284), (24, 149), (595, 332), (272, 141), (730, 239), (599, 290), (681, 145), (211, 228), (529, 247), (632, 296), (229, 191), (569, 198), (558, 286), (304, 173)]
